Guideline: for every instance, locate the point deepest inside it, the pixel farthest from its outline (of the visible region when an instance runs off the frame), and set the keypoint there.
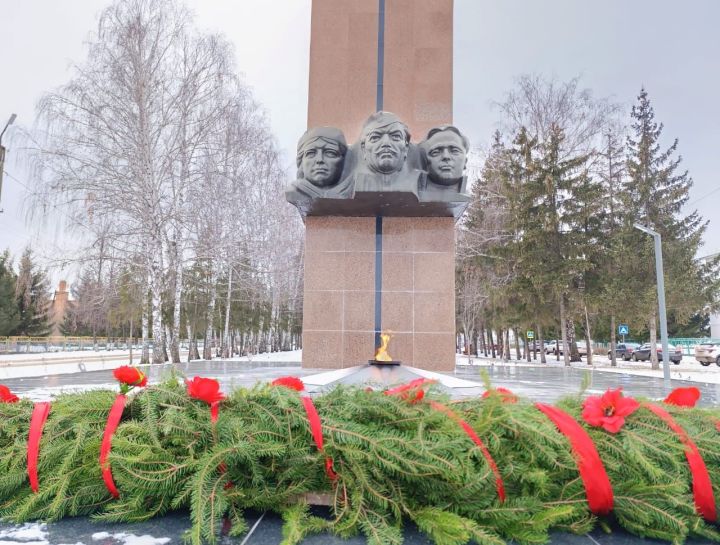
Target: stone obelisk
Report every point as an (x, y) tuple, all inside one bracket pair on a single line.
[(364, 275)]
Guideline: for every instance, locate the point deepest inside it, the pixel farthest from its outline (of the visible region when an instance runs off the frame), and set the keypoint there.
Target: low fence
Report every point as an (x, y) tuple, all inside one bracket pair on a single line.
[(686, 344), (34, 345)]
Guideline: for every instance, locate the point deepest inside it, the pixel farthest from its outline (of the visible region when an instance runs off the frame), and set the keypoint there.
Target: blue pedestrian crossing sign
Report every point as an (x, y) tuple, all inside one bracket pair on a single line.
[(623, 329), (530, 334)]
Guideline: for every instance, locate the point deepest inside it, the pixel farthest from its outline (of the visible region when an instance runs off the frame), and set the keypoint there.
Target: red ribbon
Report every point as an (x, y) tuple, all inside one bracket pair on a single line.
[(111, 425), (316, 430), (499, 485), (701, 484), (214, 411), (417, 383), (598, 489), (37, 422)]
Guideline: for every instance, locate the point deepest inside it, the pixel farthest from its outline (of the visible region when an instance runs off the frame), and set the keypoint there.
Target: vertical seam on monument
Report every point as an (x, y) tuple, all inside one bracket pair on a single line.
[(380, 55), (378, 279), (378, 219)]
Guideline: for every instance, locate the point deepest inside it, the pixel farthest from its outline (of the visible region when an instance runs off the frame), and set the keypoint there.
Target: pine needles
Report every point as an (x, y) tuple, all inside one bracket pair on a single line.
[(396, 462)]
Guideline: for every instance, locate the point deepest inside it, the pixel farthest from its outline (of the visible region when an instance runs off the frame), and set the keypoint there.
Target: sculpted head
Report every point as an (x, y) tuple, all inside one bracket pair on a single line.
[(320, 156), (384, 143), (445, 149)]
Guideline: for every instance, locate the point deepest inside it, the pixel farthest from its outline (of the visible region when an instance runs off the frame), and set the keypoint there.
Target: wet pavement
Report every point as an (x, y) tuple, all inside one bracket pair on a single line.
[(540, 383)]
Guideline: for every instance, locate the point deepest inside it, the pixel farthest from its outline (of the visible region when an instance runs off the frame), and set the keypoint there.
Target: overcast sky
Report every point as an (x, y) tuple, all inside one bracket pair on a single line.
[(671, 48)]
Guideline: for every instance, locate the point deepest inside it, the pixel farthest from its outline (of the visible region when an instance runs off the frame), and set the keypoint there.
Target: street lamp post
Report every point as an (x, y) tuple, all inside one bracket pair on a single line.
[(660, 275), (2, 153)]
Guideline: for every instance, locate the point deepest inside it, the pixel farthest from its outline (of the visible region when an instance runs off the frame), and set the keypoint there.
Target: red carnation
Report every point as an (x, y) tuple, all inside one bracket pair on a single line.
[(609, 410), (293, 383), (507, 395), (683, 397), (6, 396), (129, 377), (205, 389)]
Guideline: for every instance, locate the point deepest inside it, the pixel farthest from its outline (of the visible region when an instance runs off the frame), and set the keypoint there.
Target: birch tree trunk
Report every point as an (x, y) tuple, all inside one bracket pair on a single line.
[(158, 355), (226, 336), (145, 325), (207, 348), (175, 328)]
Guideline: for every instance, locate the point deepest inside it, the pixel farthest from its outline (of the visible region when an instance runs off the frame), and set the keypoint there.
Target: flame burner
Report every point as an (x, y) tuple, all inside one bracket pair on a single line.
[(384, 362), (381, 354)]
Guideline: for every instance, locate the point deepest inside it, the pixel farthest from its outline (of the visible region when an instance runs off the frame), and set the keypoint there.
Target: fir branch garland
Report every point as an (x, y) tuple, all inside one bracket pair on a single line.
[(397, 459)]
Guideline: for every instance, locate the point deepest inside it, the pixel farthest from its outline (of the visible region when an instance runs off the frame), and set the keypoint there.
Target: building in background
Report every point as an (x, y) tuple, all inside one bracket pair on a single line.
[(59, 308)]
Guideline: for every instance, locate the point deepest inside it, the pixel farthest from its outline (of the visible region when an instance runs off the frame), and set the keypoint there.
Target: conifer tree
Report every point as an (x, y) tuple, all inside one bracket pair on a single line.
[(481, 271), (562, 205), (612, 297), (655, 193), (32, 297), (9, 312)]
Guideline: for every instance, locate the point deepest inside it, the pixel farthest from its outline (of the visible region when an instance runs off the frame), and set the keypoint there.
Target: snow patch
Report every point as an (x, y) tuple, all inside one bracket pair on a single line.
[(31, 533), (130, 539)]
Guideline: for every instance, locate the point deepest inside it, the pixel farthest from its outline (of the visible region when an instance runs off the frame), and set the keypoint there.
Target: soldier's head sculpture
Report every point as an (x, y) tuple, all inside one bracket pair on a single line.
[(384, 143), (445, 150), (320, 156)]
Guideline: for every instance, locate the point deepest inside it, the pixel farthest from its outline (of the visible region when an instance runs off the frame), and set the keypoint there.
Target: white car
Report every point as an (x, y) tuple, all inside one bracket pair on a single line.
[(707, 353)]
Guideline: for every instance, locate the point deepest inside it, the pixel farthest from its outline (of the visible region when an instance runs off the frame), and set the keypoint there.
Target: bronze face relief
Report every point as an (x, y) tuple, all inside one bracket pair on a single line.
[(383, 173), (320, 156), (384, 143), (445, 150)]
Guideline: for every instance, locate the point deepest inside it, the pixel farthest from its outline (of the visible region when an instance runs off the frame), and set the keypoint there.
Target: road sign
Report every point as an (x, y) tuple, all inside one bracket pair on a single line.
[(530, 334), (623, 329)]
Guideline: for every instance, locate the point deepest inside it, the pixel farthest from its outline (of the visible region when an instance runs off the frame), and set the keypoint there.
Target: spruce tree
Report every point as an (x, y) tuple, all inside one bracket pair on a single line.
[(612, 297), (32, 298), (9, 312), (655, 193), (561, 230)]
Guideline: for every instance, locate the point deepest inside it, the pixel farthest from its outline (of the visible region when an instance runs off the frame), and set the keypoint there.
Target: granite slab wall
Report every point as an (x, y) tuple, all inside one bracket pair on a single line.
[(418, 63), (417, 300)]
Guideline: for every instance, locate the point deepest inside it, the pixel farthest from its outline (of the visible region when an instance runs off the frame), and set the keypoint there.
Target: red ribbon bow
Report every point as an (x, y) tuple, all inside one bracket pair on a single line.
[(294, 383), (598, 489), (701, 483), (499, 485), (37, 422), (111, 425)]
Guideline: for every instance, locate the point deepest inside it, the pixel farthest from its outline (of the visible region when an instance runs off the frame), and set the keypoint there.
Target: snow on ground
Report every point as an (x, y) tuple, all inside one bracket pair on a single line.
[(128, 539), (62, 363), (288, 356), (31, 533), (41, 365), (688, 369)]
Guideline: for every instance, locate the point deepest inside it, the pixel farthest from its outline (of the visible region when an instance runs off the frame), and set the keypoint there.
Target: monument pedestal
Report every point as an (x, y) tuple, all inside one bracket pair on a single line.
[(411, 261)]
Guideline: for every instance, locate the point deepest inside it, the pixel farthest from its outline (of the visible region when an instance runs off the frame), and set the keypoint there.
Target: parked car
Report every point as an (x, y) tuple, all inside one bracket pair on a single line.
[(624, 350), (643, 353), (535, 345), (707, 353), (581, 346)]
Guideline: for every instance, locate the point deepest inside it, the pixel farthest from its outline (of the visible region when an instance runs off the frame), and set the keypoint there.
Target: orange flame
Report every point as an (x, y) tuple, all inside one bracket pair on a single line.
[(381, 353)]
